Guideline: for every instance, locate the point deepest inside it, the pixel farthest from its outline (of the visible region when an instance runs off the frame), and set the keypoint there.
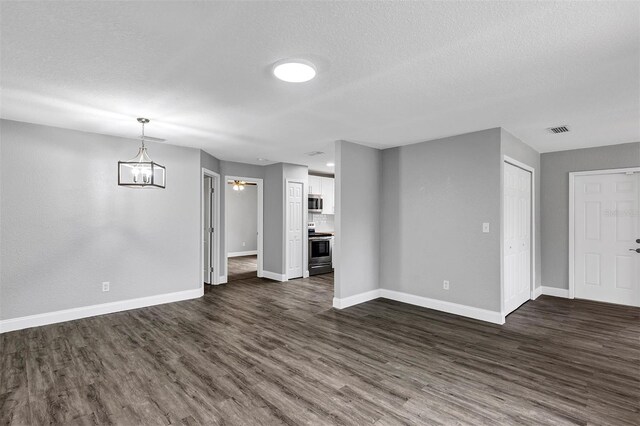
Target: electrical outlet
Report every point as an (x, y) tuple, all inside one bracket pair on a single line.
[(105, 286), (244, 244), (485, 227), (445, 285)]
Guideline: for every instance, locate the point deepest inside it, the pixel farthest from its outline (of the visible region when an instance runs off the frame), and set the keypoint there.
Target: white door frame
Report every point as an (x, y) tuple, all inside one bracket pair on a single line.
[(215, 246), (572, 231), (532, 248), (305, 235), (258, 183)]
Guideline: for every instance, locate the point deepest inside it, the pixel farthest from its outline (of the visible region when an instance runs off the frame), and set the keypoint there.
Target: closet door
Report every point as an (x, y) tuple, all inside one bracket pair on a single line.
[(517, 237)]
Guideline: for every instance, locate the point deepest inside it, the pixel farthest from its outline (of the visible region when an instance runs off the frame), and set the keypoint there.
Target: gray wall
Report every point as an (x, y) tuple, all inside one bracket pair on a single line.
[(357, 241), (274, 223), (435, 197), (66, 225), (518, 150), (555, 168), (242, 223)]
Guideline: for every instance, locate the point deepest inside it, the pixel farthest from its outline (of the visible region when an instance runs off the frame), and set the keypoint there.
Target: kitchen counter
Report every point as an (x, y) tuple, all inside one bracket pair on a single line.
[(321, 234)]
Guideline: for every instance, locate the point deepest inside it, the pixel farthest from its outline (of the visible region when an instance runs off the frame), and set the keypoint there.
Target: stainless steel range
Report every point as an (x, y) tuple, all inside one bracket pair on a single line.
[(320, 251)]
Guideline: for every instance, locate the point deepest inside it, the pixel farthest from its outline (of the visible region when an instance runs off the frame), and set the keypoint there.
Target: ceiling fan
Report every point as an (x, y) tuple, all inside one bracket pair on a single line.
[(238, 185)]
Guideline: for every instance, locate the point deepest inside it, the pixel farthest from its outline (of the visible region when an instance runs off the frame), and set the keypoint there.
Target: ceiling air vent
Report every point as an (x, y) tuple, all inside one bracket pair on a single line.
[(559, 129)]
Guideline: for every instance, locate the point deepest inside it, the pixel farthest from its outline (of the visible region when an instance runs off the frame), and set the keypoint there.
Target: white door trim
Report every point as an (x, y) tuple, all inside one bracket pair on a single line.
[(258, 183), (216, 226), (530, 169), (572, 253), (305, 235)]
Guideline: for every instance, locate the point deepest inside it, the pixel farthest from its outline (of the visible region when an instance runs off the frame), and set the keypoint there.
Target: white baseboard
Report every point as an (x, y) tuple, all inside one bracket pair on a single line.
[(274, 276), (355, 299), (557, 292), (93, 310), (537, 292), (438, 305), (242, 253), (449, 307), (305, 274)]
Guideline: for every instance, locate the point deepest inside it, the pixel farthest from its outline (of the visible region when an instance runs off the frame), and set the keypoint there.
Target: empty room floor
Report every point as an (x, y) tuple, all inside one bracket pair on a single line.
[(277, 353)]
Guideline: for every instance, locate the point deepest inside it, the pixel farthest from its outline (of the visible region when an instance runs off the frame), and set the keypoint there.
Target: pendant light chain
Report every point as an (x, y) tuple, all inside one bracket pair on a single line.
[(142, 137)]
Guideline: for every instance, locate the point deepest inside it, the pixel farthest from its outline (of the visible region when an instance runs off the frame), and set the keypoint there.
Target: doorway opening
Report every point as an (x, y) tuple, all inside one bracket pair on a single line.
[(320, 213), (243, 228), (210, 224)]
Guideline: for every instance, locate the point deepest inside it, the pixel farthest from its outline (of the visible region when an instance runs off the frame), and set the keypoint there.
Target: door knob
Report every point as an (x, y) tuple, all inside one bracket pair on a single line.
[(638, 241), (636, 250)]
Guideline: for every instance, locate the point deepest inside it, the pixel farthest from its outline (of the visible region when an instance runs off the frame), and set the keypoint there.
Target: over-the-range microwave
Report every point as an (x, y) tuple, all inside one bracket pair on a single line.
[(315, 203)]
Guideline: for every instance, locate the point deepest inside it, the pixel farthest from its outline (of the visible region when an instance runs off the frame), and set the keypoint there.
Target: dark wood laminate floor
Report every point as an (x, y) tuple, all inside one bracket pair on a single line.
[(261, 352), (242, 268)]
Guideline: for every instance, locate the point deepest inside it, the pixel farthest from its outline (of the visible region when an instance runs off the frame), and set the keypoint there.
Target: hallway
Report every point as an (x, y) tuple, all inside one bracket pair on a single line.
[(242, 268)]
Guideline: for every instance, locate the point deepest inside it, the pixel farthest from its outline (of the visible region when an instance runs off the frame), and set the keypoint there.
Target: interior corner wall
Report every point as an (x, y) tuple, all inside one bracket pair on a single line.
[(209, 162), (66, 226), (520, 151), (357, 241), (556, 167), (435, 197)]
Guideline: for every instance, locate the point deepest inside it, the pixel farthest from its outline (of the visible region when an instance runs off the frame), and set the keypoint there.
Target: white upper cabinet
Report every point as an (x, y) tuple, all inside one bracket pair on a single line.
[(328, 197), (315, 184), (326, 188)]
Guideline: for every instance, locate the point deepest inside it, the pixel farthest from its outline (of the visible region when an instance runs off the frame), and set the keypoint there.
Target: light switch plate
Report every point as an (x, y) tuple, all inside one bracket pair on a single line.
[(485, 227)]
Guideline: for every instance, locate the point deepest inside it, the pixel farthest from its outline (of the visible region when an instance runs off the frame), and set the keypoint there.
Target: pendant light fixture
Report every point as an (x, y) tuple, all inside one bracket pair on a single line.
[(141, 171)]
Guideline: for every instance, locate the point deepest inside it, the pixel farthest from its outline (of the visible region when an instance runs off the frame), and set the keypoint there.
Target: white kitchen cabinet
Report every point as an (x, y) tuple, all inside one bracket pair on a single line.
[(315, 184), (324, 186), (328, 195)]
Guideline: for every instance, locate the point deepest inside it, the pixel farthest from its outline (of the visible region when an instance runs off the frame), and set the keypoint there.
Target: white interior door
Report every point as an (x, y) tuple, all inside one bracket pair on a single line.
[(606, 226), (207, 232), (517, 237), (295, 236)]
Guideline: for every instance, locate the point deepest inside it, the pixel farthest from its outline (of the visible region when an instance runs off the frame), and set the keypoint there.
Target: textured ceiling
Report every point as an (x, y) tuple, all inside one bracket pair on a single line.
[(389, 73)]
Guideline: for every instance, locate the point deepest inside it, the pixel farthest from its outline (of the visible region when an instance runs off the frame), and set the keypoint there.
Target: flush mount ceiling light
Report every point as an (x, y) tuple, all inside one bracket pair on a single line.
[(141, 171), (294, 70), (331, 164)]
